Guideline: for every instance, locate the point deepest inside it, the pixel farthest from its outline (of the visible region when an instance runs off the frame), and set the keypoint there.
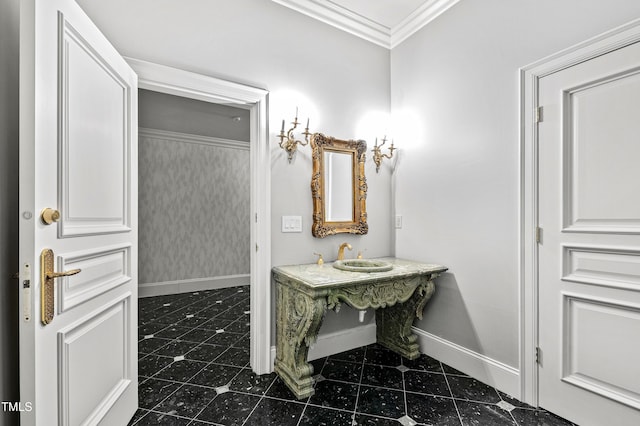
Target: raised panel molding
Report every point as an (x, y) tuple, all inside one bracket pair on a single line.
[(589, 265), (367, 29), (97, 381), (588, 206), (585, 331), (109, 210), (102, 269)]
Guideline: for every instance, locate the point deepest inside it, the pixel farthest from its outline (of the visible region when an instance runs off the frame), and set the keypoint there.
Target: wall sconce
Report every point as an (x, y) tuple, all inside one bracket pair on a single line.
[(378, 155), (288, 142)]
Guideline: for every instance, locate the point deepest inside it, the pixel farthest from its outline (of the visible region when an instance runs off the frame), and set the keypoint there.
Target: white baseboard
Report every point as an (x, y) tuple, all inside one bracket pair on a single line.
[(339, 341), (487, 370), (196, 284)]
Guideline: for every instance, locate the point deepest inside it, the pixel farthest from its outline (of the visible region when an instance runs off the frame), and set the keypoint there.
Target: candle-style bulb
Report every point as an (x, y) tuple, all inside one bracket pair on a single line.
[(282, 130), (307, 124)]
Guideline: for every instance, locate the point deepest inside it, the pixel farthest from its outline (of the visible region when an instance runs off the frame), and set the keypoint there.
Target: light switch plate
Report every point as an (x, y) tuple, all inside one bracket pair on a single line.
[(398, 221), (291, 223)]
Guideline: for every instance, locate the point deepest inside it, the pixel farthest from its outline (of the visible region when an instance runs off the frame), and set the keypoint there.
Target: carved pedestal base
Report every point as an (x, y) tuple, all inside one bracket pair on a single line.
[(298, 319), (393, 323)]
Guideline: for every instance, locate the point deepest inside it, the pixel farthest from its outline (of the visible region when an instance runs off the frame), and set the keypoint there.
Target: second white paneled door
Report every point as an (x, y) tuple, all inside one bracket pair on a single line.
[(589, 255)]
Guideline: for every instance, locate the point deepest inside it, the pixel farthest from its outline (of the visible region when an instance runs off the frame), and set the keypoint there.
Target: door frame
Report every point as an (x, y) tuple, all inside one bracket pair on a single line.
[(161, 78), (530, 76)]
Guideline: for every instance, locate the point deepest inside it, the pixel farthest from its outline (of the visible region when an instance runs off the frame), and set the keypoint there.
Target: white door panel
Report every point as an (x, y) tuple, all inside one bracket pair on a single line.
[(604, 266), (94, 383), (94, 140), (589, 256), (102, 268), (602, 153), (78, 155), (593, 326)]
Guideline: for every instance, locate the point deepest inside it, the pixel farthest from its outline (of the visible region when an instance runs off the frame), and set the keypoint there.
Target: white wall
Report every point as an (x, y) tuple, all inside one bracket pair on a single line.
[(457, 184), (335, 78), (9, 57)]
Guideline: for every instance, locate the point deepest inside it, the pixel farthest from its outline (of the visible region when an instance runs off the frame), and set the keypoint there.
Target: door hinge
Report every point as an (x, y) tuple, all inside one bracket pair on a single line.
[(539, 114), (256, 217), (538, 355), (538, 234)]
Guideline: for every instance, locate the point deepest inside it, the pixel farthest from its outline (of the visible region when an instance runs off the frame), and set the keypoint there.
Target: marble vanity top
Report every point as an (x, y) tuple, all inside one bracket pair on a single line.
[(321, 276)]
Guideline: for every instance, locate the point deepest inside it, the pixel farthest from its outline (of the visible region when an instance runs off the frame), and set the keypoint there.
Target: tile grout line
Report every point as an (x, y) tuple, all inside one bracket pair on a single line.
[(199, 344), (309, 398), (193, 303), (515, 422), (260, 400), (183, 307), (355, 408), (218, 394), (455, 404), (186, 382), (404, 391)]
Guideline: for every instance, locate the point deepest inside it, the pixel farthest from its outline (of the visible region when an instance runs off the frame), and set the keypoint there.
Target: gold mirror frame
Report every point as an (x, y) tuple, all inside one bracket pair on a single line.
[(322, 228)]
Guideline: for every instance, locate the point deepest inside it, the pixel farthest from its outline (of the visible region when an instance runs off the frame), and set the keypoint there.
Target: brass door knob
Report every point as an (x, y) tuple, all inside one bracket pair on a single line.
[(49, 215)]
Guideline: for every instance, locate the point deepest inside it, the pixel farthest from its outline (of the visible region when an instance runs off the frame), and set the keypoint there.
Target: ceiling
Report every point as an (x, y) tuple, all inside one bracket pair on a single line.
[(384, 22)]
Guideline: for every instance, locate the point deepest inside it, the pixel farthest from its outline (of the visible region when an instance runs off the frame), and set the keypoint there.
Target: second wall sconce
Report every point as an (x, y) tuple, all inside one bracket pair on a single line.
[(288, 141), (378, 155)]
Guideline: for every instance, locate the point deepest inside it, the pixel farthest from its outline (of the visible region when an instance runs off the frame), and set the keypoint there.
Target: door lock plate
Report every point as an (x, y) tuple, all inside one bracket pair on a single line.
[(47, 287), (47, 295)]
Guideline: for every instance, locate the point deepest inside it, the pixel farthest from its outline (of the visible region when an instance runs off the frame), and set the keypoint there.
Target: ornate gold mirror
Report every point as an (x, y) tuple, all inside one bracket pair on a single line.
[(338, 186)]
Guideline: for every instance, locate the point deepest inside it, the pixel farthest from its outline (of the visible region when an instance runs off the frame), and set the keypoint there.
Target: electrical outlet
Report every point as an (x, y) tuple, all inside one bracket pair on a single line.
[(291, 223)]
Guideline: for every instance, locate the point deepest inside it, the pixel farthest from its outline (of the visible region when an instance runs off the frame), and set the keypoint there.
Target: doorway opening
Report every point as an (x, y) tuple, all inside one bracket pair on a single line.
[(160, 79), (193, 195)]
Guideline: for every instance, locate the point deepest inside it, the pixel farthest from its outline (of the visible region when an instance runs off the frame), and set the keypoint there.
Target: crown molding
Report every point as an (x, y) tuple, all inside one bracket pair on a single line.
[(341, 18), (426, 13), (365, 28), (166, 135)]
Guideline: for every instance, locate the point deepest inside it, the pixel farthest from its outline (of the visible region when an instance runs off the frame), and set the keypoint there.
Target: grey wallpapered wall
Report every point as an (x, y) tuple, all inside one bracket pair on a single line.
[(193, 210)]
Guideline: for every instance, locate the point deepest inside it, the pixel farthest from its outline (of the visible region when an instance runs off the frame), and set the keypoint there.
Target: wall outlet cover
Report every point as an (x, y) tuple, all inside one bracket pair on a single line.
[(291, 223)]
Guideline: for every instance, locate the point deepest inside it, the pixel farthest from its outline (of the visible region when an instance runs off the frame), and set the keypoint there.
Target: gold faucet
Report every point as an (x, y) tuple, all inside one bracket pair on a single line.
[(341, 250)]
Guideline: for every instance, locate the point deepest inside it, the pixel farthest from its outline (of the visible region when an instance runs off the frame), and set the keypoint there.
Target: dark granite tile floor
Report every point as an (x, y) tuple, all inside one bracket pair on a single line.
[(194, 370)]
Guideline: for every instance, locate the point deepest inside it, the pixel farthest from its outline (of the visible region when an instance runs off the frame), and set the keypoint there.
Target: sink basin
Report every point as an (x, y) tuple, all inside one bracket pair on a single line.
[(362, 265)]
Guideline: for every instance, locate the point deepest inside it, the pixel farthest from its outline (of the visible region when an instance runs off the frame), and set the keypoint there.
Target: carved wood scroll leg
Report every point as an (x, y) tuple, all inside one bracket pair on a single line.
[(298, 317), (394, 322)]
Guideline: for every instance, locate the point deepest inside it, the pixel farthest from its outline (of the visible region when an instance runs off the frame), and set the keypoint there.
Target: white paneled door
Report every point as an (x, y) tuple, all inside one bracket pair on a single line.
[(589, 254), (78, 172)]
